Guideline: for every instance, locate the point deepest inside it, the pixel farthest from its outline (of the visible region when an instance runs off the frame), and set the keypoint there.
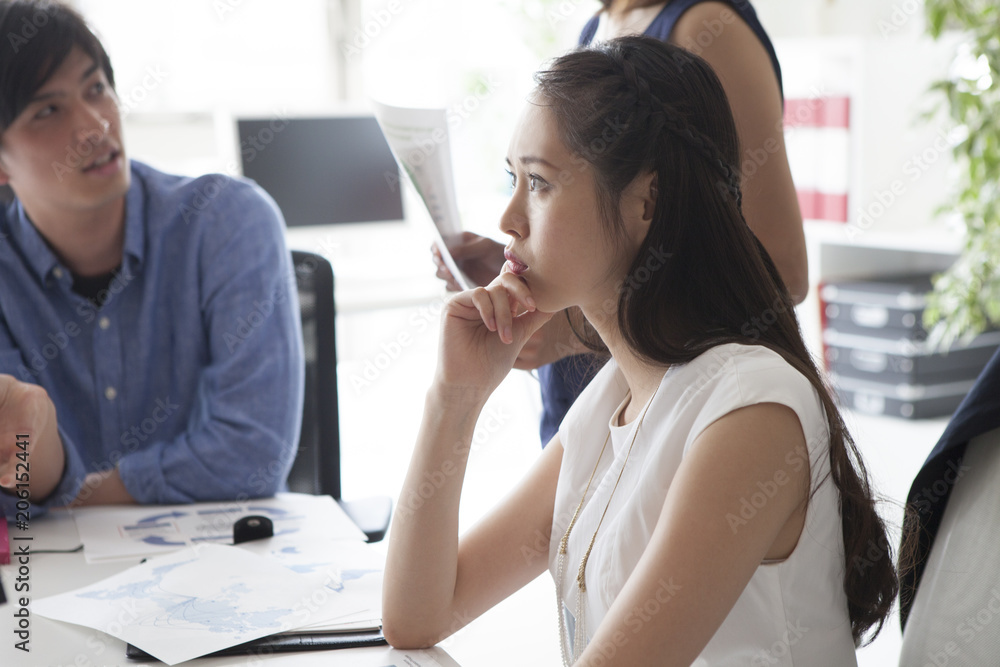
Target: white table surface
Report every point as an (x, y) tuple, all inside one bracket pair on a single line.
[(53, 643)]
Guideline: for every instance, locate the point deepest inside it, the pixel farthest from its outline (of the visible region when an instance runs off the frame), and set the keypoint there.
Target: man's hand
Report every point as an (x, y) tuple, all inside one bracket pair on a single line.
[(480, 258), (554, 341), (31, 450)]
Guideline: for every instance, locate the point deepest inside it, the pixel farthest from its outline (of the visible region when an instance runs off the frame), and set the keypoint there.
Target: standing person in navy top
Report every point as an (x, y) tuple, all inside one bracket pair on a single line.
[(730, 38), (150, 343)]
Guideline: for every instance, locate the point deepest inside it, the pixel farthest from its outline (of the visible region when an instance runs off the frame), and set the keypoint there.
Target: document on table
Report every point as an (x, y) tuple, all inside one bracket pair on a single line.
[(209, 597), (420, 142), (115, 533), (348, 573)]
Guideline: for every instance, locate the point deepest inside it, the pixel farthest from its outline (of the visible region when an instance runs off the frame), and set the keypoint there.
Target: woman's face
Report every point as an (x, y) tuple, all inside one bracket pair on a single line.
[(559, 245)]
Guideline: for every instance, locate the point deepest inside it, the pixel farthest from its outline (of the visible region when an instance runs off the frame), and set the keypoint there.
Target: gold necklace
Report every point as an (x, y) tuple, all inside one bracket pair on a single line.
[(579, 631)]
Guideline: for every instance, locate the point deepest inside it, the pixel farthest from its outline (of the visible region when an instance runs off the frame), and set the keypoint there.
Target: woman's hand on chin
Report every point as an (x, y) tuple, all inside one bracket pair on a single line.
[(483, 331)]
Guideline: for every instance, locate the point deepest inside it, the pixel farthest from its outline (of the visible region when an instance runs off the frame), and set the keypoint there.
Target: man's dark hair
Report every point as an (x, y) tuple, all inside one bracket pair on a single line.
[(35, 38)]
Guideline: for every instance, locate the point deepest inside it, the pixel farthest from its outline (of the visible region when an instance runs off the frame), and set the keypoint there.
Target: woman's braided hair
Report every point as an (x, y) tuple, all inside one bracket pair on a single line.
[(634, 106), (661, 116)]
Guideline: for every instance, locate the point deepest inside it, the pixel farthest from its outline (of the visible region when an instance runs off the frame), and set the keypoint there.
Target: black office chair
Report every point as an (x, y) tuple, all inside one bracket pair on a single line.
[(317, 464)]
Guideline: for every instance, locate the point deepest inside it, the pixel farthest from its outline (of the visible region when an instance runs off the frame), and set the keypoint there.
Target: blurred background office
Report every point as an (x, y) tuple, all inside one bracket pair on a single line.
[(870, 174)]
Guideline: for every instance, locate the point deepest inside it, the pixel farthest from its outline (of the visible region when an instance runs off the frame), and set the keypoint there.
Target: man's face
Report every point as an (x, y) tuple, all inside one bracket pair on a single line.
[(64, 154)]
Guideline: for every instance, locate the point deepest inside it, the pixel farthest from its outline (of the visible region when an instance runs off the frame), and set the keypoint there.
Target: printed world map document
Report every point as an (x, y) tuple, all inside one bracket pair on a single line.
[(420, 142)]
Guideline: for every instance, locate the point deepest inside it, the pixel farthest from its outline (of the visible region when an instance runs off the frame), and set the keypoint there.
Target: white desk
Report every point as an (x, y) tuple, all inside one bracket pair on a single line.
[(53, 643)]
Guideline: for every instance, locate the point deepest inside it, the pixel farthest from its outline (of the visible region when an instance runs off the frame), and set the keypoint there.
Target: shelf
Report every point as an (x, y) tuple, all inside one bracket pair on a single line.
[(938, 239)]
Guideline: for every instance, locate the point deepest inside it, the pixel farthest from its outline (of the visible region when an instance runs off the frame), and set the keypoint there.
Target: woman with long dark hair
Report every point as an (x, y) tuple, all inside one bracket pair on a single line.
[(702, 502), (729, 36)]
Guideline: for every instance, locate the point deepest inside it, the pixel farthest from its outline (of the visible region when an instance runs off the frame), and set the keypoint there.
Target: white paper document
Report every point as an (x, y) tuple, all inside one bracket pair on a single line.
[(420, 142), (346, 575), (115, 532), (193, 602)]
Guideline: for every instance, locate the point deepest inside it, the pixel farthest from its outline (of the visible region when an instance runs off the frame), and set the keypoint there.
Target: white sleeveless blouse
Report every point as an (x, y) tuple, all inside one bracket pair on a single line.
[(792, 613)]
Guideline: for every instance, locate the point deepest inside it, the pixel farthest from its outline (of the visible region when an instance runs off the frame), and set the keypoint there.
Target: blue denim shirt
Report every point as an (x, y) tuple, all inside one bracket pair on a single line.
[(189, 377)]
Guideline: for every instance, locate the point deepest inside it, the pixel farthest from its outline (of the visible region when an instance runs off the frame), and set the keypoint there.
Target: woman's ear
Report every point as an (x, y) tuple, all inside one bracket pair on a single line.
[(639, 202), (651, 193)]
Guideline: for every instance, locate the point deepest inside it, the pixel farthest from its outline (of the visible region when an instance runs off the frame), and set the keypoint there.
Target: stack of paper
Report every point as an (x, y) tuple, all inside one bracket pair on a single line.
[(209, 597)]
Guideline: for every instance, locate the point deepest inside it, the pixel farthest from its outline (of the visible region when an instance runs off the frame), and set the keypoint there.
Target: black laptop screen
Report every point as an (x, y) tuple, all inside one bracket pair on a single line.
[(323, 170)]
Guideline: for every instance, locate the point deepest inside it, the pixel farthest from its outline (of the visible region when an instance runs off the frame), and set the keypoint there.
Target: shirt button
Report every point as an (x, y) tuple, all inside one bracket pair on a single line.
[(104, 323), (57, 272), (110, 393)]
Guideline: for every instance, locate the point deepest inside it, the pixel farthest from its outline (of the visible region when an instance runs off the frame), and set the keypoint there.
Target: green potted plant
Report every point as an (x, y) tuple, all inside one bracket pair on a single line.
[(966, 297)]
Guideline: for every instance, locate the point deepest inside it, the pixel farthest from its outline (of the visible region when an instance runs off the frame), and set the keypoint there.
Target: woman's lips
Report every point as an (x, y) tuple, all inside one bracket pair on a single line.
[(514, 265)]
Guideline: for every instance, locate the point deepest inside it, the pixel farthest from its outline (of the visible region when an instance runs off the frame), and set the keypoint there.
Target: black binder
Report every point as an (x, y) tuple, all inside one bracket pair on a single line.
[(286, 643)]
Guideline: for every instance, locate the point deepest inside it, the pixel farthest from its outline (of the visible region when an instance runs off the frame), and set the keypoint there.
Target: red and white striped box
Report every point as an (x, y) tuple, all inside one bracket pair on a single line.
[(818, 144)]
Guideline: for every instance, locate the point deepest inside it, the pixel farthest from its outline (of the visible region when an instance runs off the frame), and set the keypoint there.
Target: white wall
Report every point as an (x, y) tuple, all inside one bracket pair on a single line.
[(811, 18)]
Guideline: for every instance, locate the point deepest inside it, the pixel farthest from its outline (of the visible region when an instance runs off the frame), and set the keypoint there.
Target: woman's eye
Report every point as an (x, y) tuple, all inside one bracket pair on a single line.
[(46, 111), (535, 182), (513, 179), (98, 87)]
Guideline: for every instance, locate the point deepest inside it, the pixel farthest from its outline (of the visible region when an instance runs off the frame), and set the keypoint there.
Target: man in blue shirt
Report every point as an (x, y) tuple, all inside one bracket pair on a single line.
[(150, 344)]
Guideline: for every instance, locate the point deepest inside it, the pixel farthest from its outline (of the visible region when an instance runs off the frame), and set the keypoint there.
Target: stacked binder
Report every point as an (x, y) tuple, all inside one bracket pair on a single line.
[(877, 352)]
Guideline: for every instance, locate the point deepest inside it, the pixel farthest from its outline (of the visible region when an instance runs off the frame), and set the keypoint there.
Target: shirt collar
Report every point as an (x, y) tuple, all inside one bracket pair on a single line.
[(36, 251), (135, 214), (44, 262)]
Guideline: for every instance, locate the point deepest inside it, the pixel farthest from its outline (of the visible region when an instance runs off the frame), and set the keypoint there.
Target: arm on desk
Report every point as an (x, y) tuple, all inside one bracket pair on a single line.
[(434, 583)]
